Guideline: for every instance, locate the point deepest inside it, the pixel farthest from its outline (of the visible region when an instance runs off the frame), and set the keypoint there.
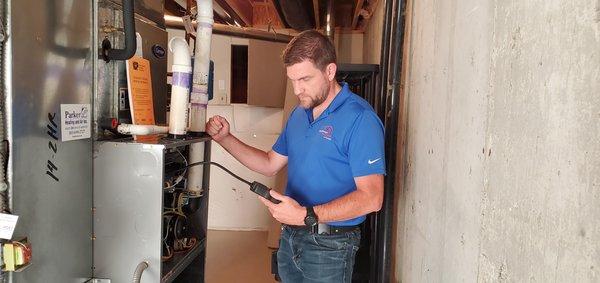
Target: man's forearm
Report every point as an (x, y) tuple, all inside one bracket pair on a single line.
[(253, 158), (347, 207)]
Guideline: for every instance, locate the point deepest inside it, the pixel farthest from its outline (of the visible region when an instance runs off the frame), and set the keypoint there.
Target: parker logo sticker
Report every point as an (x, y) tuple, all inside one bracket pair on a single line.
[(75, 122)]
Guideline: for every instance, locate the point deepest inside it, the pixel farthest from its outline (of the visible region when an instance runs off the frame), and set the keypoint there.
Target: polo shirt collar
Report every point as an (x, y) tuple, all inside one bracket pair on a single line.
[(338, 101)]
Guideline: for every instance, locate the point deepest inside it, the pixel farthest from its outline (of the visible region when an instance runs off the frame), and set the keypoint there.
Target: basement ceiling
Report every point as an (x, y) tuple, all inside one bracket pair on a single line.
[(349, 15)]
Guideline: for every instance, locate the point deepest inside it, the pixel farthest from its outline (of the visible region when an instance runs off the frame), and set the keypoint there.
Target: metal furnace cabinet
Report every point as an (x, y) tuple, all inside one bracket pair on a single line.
[(132, 203)]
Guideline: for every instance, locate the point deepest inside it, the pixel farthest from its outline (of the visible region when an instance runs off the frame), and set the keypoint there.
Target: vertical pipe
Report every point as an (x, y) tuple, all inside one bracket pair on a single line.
[(385, 57), (7, 101), (391, 137), (180, 86), (199, 96), (330, 21), (4, 208), (380, 107)]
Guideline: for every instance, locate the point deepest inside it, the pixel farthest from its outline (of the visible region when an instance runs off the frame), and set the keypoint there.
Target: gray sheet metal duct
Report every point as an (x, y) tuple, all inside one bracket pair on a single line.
[(297, 14)]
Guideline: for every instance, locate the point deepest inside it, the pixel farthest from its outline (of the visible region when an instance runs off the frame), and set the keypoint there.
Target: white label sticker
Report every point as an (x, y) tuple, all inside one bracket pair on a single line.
[(138, 45), (187, 24), (75, 121), (8, 222)]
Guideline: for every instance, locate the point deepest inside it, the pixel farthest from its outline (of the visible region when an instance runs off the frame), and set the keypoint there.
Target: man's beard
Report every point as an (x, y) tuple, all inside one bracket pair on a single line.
[(318, 100)]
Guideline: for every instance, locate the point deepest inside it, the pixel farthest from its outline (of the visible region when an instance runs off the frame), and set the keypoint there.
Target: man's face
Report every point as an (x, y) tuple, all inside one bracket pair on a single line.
[(311, 85)]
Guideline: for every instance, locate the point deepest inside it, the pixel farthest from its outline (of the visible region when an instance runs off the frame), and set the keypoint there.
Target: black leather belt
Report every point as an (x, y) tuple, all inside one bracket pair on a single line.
[(325, 229)]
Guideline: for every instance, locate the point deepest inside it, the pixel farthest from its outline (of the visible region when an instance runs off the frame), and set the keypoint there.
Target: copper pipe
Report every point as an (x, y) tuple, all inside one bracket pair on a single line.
[(177, 23), (330, 20)]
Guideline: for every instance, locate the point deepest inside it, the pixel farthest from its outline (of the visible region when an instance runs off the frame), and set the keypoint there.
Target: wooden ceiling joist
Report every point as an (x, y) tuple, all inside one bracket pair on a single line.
[(173, 8), (239, 10), (265, 15), (357, 8), (370, 9), (277, 18), (317, 16)]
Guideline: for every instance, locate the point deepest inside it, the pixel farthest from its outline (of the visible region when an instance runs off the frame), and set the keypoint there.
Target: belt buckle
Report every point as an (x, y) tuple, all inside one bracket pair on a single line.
[(323, 229)]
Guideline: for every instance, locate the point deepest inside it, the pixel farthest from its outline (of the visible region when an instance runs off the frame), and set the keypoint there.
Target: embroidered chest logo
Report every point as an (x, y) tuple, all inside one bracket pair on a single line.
[(326, 132)]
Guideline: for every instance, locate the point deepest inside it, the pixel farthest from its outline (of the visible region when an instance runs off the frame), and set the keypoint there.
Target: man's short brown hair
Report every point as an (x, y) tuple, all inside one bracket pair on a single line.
[(309, 45)]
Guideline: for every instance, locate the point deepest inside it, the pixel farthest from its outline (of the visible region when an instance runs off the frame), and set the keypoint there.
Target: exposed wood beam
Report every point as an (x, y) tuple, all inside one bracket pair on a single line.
[(181, 3), (359, 4), (174, 8), (189, 5), (370, 10), (223, 14), (240, 10), (265, 15), (343, 14), (317, 16), (274, 9), (219, 19), (342, 30)]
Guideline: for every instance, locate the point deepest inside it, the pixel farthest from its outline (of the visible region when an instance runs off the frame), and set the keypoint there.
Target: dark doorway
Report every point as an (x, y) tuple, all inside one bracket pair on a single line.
[(239, 74)]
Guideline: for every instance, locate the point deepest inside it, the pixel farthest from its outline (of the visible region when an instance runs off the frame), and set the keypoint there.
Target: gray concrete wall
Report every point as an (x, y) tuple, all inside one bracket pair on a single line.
[(503, 142)]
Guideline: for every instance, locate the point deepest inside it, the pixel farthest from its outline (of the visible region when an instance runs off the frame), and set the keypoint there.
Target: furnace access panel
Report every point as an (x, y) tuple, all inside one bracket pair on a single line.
[(143, 211)]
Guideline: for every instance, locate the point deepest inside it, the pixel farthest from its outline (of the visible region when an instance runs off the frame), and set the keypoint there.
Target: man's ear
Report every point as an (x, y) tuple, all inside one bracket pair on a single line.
[(330, 70)]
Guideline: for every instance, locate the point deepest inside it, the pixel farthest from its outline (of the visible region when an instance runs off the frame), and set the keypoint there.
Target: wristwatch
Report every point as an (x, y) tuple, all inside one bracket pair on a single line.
[(311, 219)]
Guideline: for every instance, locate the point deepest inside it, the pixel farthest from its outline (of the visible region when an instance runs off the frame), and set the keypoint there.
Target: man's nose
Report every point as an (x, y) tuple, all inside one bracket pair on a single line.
[(298, 90)]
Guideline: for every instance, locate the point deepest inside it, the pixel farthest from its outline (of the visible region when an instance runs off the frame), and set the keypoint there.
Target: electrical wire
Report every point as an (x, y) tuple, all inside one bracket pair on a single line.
[(184, 159), (174, 211), (180, 177), (186, 243), (215, 164)]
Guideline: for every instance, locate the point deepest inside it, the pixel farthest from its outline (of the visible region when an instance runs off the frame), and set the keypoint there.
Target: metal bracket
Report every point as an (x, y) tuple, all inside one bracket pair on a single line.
[(188, 25)]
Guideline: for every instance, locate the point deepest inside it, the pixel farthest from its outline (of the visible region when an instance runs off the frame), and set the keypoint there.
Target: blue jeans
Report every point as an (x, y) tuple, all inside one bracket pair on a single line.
[(307, 257)]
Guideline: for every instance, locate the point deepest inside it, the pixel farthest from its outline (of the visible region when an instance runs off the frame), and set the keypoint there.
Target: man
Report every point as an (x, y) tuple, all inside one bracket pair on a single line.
[(333, 146)]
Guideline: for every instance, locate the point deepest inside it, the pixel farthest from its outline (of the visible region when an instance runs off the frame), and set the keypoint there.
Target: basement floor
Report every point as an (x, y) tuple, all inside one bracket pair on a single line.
[(238, 256)]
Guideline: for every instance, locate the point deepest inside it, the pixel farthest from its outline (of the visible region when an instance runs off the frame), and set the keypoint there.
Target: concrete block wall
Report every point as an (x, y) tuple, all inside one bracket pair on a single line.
[(503, 142)]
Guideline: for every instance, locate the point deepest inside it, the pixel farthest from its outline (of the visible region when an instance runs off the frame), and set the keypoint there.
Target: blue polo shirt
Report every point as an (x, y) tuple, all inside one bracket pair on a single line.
[(326, 154)]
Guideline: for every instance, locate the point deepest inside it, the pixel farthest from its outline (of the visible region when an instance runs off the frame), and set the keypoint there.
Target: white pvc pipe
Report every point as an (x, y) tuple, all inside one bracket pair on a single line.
[(199, 96), (129, 129), (180, 86), (195, 173)]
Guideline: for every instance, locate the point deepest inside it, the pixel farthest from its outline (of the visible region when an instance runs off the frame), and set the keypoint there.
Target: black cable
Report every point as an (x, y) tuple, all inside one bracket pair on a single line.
[(216, 164), (255, 187)]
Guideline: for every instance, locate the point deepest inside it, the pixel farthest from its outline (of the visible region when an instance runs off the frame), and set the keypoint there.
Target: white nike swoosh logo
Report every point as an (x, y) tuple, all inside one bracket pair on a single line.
[(373, 161)]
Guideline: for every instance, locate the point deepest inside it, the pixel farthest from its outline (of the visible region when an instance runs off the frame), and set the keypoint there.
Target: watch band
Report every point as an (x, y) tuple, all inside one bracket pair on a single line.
[(311, 218)]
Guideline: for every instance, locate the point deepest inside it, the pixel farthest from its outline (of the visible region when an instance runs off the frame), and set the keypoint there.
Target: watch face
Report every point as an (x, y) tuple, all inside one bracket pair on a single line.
[(310, 220)]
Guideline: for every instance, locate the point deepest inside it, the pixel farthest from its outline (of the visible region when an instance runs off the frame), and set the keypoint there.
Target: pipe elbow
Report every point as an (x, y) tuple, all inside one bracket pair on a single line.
[(181, 52)]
